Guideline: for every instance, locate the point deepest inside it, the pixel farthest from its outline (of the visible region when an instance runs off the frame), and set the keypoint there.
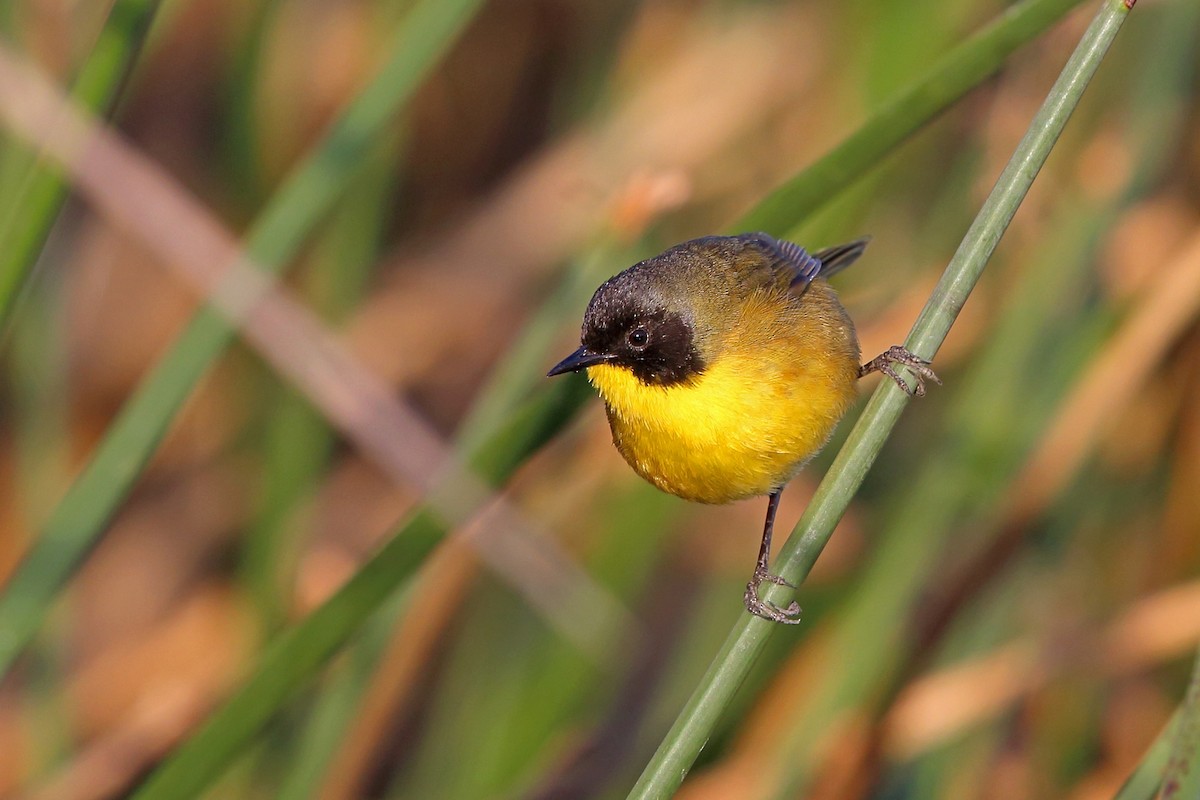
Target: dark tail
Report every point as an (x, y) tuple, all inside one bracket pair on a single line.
[(837, 258)]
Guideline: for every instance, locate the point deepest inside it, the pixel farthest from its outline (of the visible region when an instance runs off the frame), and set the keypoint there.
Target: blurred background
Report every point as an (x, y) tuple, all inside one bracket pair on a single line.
[(1009, 609)]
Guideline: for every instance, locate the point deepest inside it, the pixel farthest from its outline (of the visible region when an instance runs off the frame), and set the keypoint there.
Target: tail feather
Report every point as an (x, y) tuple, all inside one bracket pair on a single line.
[(837, 258)]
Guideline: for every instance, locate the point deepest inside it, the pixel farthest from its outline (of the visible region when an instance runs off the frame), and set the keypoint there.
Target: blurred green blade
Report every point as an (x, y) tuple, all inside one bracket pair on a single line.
[(691, 730), (298, 441), (295, 656), (287, 663), (32, 203), (959, 71), (313, 187)]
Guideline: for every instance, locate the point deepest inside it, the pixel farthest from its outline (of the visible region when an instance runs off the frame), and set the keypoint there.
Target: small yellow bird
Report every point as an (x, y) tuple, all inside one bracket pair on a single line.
[(724, 364)]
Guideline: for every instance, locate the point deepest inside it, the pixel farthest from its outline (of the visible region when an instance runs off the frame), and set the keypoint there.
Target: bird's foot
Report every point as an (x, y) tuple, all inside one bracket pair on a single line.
[(899, 355), (765, 608)]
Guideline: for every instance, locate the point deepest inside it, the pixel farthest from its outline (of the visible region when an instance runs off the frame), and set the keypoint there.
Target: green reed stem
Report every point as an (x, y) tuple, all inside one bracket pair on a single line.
[(691, 730)]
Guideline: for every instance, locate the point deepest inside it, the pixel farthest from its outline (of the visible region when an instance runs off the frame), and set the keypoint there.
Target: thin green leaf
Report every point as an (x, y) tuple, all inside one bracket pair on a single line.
[(33, 203), (959, 71), (297, 439), (313, 187)]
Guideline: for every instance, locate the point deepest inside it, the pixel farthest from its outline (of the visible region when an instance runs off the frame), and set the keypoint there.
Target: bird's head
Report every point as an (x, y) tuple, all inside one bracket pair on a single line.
[(642, 320)]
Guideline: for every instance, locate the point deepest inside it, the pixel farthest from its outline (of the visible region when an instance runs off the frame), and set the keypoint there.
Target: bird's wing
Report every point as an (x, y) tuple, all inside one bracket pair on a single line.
[(798, 267)]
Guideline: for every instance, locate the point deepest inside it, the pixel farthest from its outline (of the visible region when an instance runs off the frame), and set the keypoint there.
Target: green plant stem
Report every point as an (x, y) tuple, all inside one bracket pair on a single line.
[(993, 419), (687, 736), (79, 519), (32, 203), (873, 635)]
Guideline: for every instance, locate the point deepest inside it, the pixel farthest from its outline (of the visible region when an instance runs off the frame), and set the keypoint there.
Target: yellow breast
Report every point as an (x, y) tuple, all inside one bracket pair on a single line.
[(747, 424)]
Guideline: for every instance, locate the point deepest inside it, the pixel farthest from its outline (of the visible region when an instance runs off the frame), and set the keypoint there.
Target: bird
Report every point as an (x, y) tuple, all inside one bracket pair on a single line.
[(724, 364)]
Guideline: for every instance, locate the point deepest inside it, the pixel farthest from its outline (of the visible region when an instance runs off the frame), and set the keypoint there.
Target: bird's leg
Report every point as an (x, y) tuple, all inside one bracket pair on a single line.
[(754, 604), (898, 355)]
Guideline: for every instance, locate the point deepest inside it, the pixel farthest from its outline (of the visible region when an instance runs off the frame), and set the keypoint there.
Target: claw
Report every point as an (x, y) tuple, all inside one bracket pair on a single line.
[(754, 604), (899, 355), (765, 608), (769, 578)]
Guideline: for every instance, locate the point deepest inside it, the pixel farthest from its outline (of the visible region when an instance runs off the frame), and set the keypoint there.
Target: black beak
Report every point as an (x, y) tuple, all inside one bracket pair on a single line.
[(578, 360)]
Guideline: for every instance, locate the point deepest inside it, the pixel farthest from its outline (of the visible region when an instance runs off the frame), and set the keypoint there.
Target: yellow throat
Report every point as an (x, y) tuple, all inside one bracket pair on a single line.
[(744, 427)]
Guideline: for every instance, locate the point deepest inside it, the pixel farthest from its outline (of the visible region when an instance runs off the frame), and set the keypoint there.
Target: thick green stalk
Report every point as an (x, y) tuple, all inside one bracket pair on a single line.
[(691, 730), (32, 203), (313, 187)]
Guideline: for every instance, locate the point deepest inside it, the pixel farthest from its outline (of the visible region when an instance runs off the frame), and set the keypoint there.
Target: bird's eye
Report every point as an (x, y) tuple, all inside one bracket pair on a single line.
[(638, 338)]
